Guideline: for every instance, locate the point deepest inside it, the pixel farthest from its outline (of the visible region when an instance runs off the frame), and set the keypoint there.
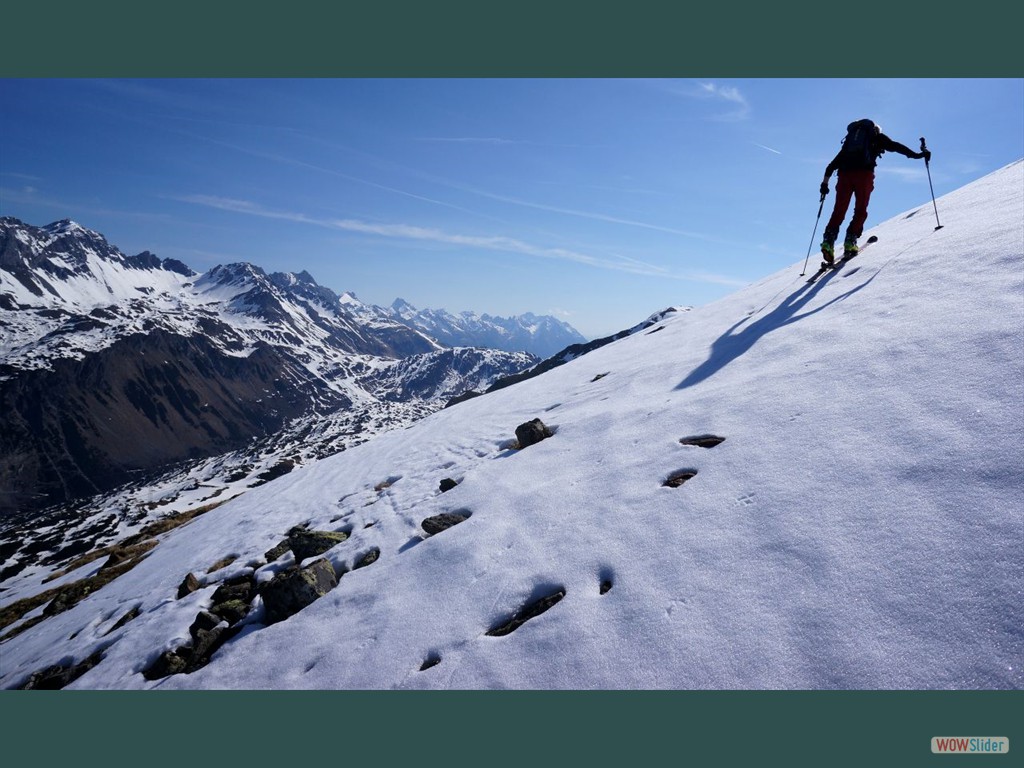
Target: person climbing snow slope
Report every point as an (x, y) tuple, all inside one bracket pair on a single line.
[(855, 161)]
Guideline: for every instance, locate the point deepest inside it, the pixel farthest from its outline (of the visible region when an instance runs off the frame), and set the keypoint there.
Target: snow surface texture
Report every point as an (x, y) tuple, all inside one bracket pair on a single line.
[(859, 527)]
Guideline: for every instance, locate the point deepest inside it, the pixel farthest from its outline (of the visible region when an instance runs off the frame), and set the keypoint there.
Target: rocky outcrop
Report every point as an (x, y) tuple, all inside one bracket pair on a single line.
[(55, 677), (209, 631), (307, 544), (304, 543), (291, 591)]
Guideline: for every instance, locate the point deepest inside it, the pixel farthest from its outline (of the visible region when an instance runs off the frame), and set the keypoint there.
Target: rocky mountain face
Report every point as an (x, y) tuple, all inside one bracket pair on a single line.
[(539, 335), (114, 367)]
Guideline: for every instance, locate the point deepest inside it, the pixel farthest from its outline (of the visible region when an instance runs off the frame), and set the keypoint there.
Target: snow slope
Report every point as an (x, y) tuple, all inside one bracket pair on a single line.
[(860, 526)]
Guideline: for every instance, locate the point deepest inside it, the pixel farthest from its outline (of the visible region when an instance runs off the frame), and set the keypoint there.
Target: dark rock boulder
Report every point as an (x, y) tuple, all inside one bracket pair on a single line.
[(443, 522), (59, 675), (242, 588), (205, 621), (532, 432), (189, 585), (312, 543), (168, 663), (205, 643), (447, 484), (368, 559), (276, 552), (231, 611), (291, 591)]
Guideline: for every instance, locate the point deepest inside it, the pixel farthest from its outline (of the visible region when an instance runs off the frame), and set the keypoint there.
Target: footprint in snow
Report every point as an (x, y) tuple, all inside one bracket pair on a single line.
[(702, 441), (527, 612), (676, 479)]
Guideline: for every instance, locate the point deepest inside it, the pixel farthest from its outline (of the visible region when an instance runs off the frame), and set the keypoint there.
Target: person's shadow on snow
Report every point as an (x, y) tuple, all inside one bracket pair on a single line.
[(734, 343)]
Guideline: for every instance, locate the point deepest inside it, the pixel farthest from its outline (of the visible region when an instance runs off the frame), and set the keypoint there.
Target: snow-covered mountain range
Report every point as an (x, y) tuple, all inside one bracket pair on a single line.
[(113, 365), (797, 486), (543, 336)]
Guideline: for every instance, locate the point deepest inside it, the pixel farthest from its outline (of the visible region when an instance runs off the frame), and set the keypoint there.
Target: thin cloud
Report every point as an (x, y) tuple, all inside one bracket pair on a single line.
[(584, 214), (470, 140), (330, 171), (21, 176), (499, 243), (728, 95), (905, 173), (762, 146)]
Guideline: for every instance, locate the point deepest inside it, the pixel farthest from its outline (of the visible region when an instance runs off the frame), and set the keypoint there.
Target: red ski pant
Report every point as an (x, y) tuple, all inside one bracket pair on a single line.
[(858, 184)]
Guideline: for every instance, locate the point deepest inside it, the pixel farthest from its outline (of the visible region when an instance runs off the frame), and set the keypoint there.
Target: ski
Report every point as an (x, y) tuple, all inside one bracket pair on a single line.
[(825, 267), (837, 265)]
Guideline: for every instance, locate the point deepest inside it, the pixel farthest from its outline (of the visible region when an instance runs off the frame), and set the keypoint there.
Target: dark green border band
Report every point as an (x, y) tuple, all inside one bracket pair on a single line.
[(527, 38), (503, 727), (522, 39)]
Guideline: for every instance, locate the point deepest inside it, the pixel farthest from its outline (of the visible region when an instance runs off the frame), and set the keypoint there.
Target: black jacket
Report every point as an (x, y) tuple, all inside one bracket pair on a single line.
[(881, 143)]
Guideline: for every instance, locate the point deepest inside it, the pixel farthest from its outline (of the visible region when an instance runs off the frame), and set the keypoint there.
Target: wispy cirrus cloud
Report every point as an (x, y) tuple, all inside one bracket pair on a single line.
[(469, 140), (737, 107), (579, 213), (906, 173), (740, 107), (499, 243)]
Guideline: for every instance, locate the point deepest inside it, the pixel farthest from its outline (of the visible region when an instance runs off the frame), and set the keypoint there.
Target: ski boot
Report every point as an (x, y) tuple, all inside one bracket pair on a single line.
[(850, 249), (828, 253)]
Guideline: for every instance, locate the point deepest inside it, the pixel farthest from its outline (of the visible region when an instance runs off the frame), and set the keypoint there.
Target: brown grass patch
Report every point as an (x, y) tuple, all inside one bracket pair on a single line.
[(128, 553)]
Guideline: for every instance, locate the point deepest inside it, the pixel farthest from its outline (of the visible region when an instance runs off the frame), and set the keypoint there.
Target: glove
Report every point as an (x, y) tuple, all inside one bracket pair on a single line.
[(927, 155), (824, 188)]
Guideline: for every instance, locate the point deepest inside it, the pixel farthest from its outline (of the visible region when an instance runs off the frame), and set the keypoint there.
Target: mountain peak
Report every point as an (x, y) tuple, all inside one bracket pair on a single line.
[(234, 273), (73, 228), (403, 308)]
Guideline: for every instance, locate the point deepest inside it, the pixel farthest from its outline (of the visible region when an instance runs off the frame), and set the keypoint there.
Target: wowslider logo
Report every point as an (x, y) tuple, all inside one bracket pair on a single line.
[(970, 745)]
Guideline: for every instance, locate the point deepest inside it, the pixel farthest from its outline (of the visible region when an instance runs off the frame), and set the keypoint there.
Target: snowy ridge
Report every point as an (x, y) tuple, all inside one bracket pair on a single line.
[(237, 305), (858, 527), (100, 350), (538, 335)]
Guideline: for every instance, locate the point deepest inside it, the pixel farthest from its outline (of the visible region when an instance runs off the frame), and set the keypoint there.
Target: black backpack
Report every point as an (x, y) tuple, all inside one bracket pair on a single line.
[(858, 146)]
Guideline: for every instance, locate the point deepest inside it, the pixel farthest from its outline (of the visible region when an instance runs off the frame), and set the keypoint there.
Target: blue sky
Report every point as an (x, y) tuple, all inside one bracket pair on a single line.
[(598, 201)]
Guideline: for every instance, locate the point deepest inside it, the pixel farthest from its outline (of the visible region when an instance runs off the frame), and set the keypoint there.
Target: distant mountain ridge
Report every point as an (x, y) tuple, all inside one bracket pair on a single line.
[(113, 365), (541, 335)]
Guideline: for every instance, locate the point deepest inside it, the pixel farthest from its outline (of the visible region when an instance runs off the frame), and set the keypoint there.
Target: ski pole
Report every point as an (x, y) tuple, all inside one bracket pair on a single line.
[(928, 168), (815, 232)]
